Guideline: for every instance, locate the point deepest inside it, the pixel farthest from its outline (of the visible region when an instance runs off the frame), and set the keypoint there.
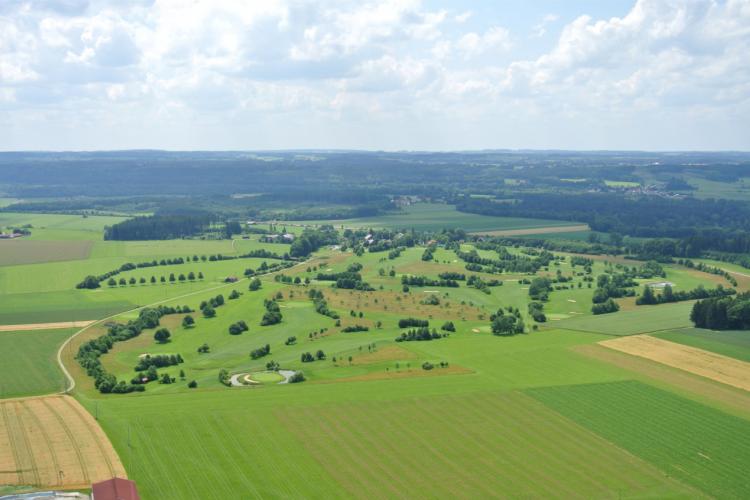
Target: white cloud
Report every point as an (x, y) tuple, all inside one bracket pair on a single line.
[(198, 63)]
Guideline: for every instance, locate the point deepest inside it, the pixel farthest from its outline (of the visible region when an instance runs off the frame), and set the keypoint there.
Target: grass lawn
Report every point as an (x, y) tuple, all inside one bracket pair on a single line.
[(735, 344), (642, 319), (28, 364)]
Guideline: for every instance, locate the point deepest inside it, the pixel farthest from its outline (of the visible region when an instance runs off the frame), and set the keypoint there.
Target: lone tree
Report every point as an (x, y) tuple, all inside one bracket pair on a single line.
[(162, 335), (188, 321)]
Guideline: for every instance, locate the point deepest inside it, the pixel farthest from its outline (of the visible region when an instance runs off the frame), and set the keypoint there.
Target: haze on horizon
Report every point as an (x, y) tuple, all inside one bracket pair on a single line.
[(390, 75)]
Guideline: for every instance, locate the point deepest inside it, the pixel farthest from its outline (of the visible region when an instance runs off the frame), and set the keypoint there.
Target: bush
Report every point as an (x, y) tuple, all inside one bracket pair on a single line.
[(192, 384), (448, 326), (296, 378), (427, 365)]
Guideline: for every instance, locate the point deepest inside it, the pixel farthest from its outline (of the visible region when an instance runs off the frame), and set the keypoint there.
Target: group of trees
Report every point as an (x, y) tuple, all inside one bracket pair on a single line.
[(411, 280), (158, 361), (321, 305), (312, 239), (481, 284), (355, 328), (412, 322), (350, 279), (272, 315), (506, 322), (506, 262), (158, 227), (612, 286), (307, 357), (722, 313), (540, 288), (536, 311), (260, 352), (648, 297), (90, 352), (238, 327), (208, 307), (420, 334)]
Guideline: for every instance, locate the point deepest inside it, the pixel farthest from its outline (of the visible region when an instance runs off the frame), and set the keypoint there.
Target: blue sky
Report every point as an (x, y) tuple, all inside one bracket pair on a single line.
[(392, 74)]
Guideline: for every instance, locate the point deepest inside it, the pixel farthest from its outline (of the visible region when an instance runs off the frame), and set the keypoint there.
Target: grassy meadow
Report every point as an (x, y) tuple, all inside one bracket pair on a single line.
[(28, 363), (524, 416)]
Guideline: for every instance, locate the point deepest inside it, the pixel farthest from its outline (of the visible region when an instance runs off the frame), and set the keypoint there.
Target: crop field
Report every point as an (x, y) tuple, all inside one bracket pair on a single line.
[(21, 251), (734, 344), (434, 216), (693, 443), (27, 362), (707, 364), (52, 442), (355, 443)]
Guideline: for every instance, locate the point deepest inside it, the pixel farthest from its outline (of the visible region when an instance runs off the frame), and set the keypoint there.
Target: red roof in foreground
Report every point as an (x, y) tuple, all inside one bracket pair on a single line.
[(115, 489)]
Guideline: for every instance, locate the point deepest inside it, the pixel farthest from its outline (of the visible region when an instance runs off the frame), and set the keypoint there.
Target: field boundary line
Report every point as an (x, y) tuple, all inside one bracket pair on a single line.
[(572, 228), (58, 325), (71, 383)]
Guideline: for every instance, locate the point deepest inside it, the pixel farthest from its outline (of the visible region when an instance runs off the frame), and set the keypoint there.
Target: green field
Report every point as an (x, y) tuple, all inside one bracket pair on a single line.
[(643, 319), (369, 421), (694, 443), (28, 363), (22, 251), (735, 344), (435, 216)]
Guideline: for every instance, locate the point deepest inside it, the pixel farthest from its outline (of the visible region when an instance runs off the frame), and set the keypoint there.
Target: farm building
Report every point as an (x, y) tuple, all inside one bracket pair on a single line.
[(115, 489)]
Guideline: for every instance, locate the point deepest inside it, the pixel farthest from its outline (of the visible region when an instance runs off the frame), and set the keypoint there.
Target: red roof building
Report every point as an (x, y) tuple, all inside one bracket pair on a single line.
[(115, 489)]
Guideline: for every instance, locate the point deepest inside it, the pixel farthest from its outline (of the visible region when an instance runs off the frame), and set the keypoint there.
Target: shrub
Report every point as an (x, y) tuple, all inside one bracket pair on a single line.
[(192, 384)]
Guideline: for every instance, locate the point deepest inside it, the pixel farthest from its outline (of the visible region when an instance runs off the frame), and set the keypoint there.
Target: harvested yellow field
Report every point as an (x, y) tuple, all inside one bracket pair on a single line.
[(720, 368), (53, 442), (536, 230), (45, 326)]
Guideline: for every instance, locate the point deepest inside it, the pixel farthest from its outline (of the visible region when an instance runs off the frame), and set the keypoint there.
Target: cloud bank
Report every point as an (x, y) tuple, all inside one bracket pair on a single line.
[(217, 74)]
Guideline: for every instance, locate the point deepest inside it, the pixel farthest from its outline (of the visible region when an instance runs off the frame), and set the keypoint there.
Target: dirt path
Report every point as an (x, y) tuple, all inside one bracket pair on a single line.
[(46, 326), (535, 230), (707, 364)]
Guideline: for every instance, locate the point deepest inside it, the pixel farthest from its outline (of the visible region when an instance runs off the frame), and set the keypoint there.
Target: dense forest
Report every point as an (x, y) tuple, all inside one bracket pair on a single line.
[(158, 227)]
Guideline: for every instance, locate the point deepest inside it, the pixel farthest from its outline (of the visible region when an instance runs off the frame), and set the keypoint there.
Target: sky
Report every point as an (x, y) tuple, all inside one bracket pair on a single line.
[(378, 75)]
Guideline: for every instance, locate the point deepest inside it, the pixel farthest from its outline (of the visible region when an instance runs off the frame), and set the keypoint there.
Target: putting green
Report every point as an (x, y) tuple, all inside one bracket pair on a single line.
[(266, 377)]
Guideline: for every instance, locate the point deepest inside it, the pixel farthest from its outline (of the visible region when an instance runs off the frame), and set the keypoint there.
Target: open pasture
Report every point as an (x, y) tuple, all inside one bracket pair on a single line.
[(27, 362), (53, 442), (694, 443), (436, 216)]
